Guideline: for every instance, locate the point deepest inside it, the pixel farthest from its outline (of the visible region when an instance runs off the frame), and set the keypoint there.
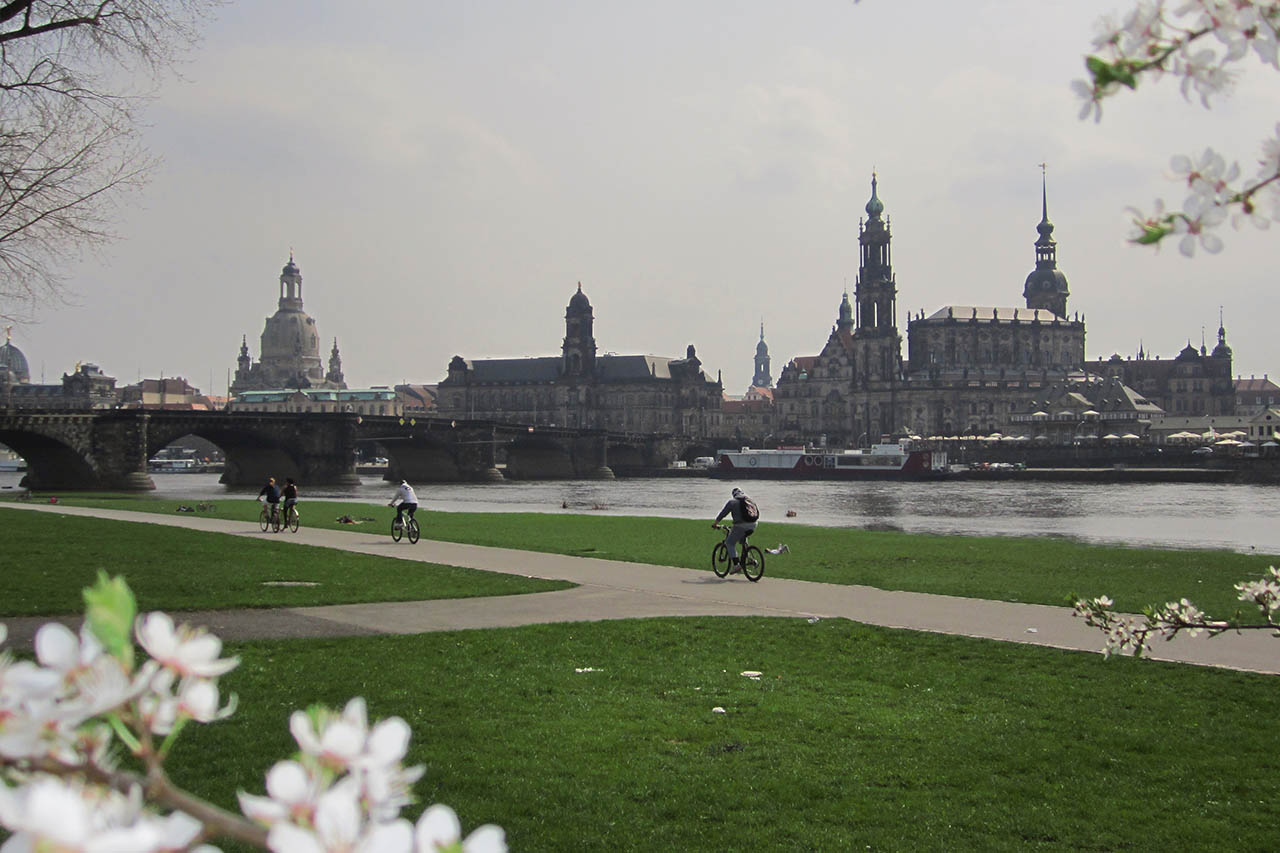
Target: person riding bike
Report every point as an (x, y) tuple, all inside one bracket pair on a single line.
[(404, 501), (290, 495), (745, 515), (272, 493)]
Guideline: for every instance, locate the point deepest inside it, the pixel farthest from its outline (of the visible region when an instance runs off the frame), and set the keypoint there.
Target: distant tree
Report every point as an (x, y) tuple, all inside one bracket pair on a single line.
[(73, 74)]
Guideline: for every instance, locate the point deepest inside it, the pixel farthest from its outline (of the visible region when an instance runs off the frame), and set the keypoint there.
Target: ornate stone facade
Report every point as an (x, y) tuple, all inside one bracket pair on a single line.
[(86, 388), (582, 389), (1196, 382), (289, 356), (969, 369)]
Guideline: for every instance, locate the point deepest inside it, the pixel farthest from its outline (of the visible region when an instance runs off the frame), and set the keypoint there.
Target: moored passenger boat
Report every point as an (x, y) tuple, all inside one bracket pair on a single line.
[(885, 461)]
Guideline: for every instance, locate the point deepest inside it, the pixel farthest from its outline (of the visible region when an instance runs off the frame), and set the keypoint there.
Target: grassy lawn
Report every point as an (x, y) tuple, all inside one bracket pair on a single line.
[(1041, 571), (854, 738), (48, 559)]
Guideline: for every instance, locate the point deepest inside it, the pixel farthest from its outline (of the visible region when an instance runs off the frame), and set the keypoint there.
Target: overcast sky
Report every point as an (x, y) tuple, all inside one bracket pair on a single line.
[(445, 174)]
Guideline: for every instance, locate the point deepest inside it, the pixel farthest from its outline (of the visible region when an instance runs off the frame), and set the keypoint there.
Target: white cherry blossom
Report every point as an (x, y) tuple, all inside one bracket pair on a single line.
[(439, 829), (183, 649)]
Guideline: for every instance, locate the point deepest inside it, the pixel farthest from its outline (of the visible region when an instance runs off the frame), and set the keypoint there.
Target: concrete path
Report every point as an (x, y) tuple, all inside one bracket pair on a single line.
[(609, 589)]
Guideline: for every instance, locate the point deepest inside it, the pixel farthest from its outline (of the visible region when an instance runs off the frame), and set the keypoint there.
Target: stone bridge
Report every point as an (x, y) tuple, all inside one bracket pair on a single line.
[(109, 449)]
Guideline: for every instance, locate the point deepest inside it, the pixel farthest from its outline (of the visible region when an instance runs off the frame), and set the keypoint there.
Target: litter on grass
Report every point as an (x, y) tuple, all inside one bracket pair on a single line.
[(752, 674), (717, 710), (781, 549), (587, 669), (290, 583)]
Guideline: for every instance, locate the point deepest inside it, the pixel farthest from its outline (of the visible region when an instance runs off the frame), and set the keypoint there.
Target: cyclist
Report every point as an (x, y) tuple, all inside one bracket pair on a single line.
[(290, 495), (272, 494), (745, 515), (404, 501)]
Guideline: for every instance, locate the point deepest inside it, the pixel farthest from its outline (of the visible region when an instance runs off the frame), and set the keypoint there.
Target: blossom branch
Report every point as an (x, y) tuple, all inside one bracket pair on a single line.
[(161, 790), (1134, 633)]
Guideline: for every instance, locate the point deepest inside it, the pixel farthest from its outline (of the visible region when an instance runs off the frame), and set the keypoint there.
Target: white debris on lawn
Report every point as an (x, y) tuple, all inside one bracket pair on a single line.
[(717, 710), (752, 674), (587, 669), (781, 549)]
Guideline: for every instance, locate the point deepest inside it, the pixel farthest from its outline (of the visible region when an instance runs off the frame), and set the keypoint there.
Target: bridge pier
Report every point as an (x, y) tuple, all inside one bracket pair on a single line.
[(120, 449)]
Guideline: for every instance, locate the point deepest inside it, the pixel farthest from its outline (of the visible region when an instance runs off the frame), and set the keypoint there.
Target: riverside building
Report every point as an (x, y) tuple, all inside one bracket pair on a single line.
[(581, 388), (969, 370)]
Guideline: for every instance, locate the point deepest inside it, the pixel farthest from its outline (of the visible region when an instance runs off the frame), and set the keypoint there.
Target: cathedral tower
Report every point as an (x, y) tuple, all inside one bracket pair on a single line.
[(876, 291), (1046, 287)]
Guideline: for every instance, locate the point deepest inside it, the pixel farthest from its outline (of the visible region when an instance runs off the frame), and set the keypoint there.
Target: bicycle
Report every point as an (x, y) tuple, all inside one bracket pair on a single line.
[(269, 518), (291, 518), (399, 527), (752, 557)]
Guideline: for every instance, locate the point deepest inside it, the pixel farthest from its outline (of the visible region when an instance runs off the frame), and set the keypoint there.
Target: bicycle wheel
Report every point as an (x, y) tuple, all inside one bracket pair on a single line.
[(720, 559), (275, 521), (414, 531), (291, 519), (397, 529), (264, 519), (753, 563)]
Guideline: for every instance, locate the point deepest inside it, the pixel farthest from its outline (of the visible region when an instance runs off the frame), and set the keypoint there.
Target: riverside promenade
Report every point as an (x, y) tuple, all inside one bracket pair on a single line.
[(609, 589)]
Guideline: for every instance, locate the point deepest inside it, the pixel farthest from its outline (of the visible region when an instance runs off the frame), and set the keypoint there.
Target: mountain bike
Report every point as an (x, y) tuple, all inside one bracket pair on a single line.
[(291, 518), (400, 526), (752, 557), (269, 518)]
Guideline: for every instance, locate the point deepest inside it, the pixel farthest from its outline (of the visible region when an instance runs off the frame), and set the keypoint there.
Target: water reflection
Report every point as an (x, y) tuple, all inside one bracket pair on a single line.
[(1174, 515)]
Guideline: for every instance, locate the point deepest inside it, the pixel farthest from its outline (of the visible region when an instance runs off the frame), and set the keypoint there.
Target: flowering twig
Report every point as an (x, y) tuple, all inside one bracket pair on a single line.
[(1153, 41), (60, 788), (1126, 633)]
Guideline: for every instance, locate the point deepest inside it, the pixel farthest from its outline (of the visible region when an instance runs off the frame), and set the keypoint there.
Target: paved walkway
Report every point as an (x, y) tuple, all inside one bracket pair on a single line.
[(609, 589)]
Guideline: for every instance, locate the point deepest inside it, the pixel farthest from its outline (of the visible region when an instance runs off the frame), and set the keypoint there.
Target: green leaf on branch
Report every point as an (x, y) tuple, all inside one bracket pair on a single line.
[(1151, 234), (110, 609), (1105, 73)]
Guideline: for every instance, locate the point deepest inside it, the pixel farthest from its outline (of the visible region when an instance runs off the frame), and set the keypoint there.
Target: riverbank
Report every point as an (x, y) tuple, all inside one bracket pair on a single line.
[(1018, 569), (851, 736)]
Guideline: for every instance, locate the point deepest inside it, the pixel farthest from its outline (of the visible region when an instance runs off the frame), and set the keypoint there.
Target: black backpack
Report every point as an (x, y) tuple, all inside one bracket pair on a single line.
[(750, 512)]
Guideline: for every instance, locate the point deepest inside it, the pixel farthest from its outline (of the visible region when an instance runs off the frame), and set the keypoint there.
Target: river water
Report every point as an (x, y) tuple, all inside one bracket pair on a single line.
[(1174, 515)]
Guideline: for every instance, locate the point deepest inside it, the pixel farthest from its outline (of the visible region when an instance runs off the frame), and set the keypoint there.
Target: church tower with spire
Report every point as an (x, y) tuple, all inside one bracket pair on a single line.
[(762, 379), (1046, 287), (875, 290), (877, 343)]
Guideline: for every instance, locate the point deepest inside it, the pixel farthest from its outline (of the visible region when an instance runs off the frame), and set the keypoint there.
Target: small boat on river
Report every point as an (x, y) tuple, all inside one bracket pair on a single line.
[(880, 461)]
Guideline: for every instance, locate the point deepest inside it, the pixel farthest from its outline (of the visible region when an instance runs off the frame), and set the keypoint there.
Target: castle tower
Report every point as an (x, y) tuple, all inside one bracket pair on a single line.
[(1222, 350), (579, 348), (1046, 287), (762, 379)]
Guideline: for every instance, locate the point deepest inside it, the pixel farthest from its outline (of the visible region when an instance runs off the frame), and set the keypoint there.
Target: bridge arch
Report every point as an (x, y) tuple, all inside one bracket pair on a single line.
[(57, 458)]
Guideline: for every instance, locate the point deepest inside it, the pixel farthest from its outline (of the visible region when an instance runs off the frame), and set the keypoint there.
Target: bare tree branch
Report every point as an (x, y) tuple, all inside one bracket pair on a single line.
[(70, 146)]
